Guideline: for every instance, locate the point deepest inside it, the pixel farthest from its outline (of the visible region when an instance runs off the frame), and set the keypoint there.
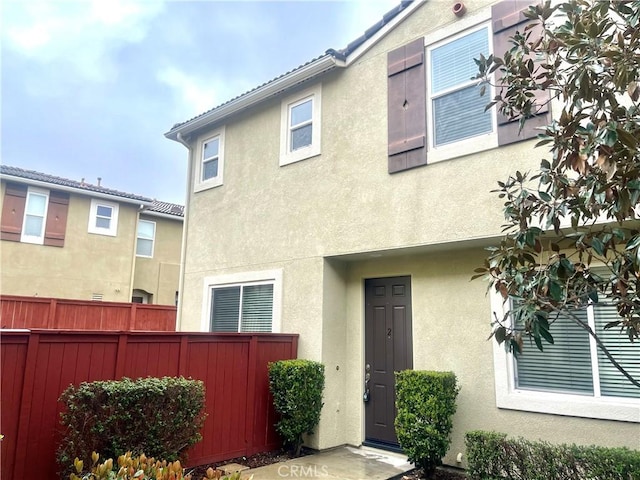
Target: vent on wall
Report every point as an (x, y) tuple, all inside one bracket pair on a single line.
[(96, 297)]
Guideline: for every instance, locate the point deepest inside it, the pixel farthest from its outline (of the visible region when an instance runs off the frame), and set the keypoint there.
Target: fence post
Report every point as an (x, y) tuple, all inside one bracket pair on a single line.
[(51, 320), (121, 355), (250, 428), (22, 442), (132, 316), (182, 358)]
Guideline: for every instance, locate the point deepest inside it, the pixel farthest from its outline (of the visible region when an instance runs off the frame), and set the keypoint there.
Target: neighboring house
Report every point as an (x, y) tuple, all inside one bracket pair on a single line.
[(349, 201), (66, 239)]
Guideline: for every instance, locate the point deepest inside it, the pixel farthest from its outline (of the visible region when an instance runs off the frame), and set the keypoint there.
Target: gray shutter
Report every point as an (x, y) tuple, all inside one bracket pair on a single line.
[(225, 310), (407, 116), (257, 308), (507, 18)]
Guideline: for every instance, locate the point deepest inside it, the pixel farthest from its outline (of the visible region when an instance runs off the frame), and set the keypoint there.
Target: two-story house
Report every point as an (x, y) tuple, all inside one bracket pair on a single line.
[(349, 201), (67, 239)]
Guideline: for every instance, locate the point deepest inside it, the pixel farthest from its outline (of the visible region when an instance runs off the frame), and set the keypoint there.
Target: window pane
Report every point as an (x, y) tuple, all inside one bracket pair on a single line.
[(211, 148), (146, 229), (301, 113), (33, 226), (460, 115), (144, 247), (564, 366), (257, 308), (452, 64), (301, 137), (627, 354), (210, 169), (225, 310), (104, 211), (103, 222), (36, 204)]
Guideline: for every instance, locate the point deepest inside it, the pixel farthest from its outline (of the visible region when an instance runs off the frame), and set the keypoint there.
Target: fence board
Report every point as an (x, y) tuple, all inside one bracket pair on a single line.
[(38, 365), (39, 312)]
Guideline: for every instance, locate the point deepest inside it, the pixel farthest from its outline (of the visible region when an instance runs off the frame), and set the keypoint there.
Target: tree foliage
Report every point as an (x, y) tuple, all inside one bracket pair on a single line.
[(572, 233)]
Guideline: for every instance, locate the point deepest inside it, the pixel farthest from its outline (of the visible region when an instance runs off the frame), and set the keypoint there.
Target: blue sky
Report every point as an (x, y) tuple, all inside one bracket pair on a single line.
[(89, 87)]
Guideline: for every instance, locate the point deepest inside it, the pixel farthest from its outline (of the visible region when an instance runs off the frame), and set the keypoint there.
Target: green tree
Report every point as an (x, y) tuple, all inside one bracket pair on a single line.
[(572, 233)]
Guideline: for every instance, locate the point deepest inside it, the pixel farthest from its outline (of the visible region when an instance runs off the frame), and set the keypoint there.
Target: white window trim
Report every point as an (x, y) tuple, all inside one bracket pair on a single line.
[(470, 145), (511, 398), (218, 180), (35, 239), (112, 231), (244, 278), (287, 156), (153, 239)]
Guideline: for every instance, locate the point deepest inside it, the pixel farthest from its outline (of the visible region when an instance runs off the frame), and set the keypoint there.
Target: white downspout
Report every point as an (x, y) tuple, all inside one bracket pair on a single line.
[(185, 223)]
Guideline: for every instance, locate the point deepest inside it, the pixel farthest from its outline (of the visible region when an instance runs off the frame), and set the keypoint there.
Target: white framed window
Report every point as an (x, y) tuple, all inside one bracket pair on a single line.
[(300, 126), (35, 214), (145, 238), (457, 121), (103, 218), (571, 377), (210, 165), (246, 302)]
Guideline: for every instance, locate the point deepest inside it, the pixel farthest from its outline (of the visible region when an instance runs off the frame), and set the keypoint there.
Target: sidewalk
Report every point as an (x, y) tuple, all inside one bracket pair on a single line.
[(344, 463)]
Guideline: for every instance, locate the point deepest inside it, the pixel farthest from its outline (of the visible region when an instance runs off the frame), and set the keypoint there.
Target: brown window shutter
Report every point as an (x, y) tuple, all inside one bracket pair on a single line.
[(15, 196), (507, 17), (56, 219), (407, 115)]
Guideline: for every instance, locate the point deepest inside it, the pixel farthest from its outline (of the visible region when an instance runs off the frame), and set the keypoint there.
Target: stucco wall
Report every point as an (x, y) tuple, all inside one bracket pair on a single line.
[(295, 217), (159, 275), (87, 264), (451, 317)]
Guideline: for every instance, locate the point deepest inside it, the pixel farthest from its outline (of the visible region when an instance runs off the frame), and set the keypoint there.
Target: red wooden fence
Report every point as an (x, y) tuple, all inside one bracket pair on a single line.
[(38, 365), (40, 312)]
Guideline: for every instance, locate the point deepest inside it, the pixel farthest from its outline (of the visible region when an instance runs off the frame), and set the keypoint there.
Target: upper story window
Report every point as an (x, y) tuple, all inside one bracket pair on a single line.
[(103, 218), (245, 302), (571, 376), (210, 166), (35, 214), (146, 238), (300, 126), (457, 111)]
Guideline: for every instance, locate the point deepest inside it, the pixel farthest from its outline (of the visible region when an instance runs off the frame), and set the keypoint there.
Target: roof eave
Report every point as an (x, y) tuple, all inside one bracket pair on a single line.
[(306, 72), (79, 191), (169, 216)]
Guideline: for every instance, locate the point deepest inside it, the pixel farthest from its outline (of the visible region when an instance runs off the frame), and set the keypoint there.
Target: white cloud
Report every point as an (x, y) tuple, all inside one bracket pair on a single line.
[(362, 14), (79, 35)]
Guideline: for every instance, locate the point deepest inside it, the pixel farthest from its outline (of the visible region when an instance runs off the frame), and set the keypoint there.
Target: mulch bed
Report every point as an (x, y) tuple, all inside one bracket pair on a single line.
[(254, 461), (267, 458)]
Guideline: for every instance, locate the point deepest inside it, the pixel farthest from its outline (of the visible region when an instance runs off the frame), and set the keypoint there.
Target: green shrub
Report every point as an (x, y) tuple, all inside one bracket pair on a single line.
[(129, 467), (493, 456), (159, 416), (296, 386), (426, 403)]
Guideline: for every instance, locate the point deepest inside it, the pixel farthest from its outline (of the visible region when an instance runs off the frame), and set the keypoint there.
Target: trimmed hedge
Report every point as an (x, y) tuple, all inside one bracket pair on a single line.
[(158, 416), (491, 456), (296, 386), (426, 403)]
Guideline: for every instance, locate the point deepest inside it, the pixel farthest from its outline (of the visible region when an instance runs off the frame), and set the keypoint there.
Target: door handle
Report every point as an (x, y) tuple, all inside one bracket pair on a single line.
[(367, 376)]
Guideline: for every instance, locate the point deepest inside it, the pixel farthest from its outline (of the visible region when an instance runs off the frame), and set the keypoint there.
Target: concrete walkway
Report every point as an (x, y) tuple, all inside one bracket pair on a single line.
[(344, 463)]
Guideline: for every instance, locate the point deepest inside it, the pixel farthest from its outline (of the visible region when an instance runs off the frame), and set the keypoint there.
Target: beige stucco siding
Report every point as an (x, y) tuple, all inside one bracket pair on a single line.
[(451, 319), (87, 264), (159, 274), (321, 221)]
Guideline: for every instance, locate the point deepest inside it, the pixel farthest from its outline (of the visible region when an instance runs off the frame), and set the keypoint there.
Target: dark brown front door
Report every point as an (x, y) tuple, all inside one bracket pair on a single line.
[(388, 349)]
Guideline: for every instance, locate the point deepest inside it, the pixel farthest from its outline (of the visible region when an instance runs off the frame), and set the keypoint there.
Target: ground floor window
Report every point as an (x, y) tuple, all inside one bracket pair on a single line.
[(248, 302)]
